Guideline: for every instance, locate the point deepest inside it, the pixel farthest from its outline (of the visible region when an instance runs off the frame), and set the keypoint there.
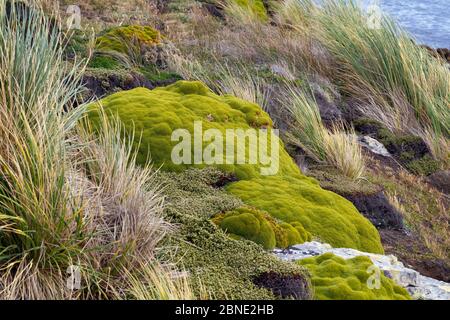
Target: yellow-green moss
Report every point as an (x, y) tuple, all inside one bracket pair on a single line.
[(288, 196), (120, 38), (258, 226), (157, 113), (324, 214), (256, 6), (334, 278)]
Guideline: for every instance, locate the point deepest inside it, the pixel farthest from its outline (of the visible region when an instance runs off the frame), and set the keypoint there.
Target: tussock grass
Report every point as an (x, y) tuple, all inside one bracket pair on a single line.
[(337, 146), (224, 78), (395, 80), (68, 195), (156, 282)]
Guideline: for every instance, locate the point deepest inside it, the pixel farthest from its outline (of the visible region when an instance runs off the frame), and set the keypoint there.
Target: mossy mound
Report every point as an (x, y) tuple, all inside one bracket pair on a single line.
[(294, 198), (157, 113), (225, 267), (258, 226), (324, 214), (255, 6), (120, 39), (334, 278)]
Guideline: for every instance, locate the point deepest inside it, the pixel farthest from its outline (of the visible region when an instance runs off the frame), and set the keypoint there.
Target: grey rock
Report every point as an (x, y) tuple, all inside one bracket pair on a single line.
[(374, 146)]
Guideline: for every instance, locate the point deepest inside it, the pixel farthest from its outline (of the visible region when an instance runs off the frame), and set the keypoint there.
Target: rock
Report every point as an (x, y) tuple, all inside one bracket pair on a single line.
[(410, 151), (443, 53), (419, 286), (328, 99), (412, 251), (440, 180), (100, 82), (374, 146)]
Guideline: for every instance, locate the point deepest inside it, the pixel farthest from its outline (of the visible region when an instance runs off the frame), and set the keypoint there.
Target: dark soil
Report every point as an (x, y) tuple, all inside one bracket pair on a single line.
[(284, 286), (414, 254), (368, 198)]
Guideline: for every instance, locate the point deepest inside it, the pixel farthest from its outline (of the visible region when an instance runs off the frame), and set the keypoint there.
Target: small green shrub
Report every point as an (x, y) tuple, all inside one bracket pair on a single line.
[(423, 166), (158, 76), (260, 227), (77, 44), (334, 278)]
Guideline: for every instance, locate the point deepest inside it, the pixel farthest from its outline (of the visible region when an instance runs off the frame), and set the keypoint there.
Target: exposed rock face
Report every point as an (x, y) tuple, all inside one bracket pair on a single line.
[(369, 199), (441, 181), (410, 151), (420, 287), (100, 83), (329, 112)]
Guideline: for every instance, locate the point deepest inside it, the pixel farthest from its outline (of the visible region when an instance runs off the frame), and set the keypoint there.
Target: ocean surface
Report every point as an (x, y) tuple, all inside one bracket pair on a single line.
[(427, 20)]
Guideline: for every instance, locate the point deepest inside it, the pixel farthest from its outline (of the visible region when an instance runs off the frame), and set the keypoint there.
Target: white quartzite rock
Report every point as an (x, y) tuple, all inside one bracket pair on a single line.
[(420, 287), (374, 145)]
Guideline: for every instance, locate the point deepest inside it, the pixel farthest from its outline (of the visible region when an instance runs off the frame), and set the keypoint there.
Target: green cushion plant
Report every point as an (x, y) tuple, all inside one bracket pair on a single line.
[(258, 226), (334, 278), (294, 198), (256, 6), (120, 38)]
